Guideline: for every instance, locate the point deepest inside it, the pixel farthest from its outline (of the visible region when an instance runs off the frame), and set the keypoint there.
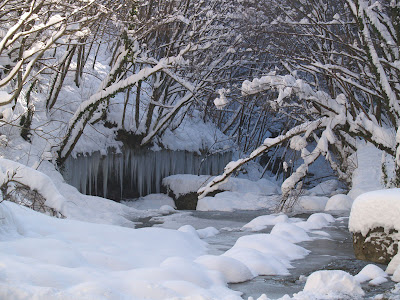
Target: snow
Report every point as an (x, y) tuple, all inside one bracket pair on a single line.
[(233, 270), (370, 273), (152, 201), (375, 209), (272, 245), (326, 188), (263, 222), (200, 233), (311, 203), (333, 282), (182, 184), (49, 258), (367, 175), (316, 221), (290, 232), (230, 201), (393, 265), (339, 202)]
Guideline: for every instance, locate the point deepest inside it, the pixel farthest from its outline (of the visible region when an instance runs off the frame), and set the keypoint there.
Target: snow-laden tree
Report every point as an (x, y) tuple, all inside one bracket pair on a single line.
[(339, 78), (169, 57)]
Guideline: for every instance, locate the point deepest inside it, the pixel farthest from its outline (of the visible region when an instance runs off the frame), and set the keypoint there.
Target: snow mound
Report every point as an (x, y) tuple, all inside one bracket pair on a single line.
[(263, 222), (316, 221), (311, 203), (152, 201), (233, 270), (272, 245), (339, 202), (49, 258), (290, 232), (393, 265), (376, 209), (325, 188), (333, 282), (258, 262), (207, 232), (189, 229), (201, 233), (370, 272)]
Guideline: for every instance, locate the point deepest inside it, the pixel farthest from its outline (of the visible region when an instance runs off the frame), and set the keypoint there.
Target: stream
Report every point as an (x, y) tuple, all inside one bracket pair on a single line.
[(331, 249)]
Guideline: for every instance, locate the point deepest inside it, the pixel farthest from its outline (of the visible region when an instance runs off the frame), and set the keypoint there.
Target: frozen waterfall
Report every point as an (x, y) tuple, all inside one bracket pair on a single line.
[(136, 172)]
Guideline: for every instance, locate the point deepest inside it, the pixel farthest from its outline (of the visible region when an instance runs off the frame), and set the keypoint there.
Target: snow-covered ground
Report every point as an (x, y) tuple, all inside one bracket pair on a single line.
[(96, 252)]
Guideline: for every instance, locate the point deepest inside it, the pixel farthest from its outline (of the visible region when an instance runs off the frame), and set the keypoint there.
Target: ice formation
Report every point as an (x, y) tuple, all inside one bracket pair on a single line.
[(135, 173)]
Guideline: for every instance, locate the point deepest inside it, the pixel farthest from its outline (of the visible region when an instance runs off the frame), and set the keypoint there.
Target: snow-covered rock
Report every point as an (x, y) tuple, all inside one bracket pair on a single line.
[(375, 224), (316, 221), (325, 188), (262, 222), (233, 270), (333, 282), (290, 232), (311, 203), (371, 273), (339, 202)]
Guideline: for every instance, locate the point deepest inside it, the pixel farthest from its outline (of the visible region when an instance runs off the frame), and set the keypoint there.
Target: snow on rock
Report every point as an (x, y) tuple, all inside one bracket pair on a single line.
[(262, 222), (325, 188), (167, 209), (378, 280), (233, 270), (311, 203), (258, 262), (333, 282), (189, 229), (201, 233), (316, 221), (230, 201), (272, 245), (370, 272), (376, 209), (393, 265), (367, 176), (152, 201), (49, 258), (290, 232), (182, 184), (339, 202), (207, 232), (35, 180)]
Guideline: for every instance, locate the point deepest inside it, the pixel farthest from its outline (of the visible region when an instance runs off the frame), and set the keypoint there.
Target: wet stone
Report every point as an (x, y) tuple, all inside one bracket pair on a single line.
[(377, 246)]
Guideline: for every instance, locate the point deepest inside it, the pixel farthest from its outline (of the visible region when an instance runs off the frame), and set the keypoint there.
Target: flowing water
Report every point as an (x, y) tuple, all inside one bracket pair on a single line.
[(327, 253)]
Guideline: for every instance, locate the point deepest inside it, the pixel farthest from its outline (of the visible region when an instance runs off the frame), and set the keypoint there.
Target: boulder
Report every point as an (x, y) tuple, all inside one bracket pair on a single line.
[(377, 246), (375, 224)]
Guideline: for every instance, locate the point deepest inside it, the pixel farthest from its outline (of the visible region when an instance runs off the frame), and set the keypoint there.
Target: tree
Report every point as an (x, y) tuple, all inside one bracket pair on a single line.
[(340, 81)]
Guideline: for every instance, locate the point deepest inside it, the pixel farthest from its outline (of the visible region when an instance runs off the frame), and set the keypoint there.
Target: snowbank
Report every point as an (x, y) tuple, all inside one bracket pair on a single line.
[(367, 176), (48, 258), (339, 202), (375, 209), (333, 282)]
